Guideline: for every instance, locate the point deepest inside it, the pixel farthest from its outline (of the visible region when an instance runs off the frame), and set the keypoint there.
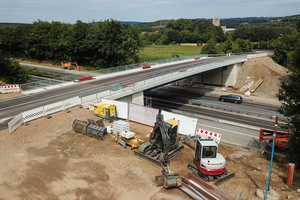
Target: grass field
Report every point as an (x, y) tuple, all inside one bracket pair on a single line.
[(159, 52)]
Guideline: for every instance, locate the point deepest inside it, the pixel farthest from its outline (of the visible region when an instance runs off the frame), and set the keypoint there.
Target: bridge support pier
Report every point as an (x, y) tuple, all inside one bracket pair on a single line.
[(223, 76)]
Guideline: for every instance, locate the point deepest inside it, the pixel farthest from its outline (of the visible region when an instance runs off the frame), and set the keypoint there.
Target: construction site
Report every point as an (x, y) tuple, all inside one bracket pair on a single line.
[(82, 154)]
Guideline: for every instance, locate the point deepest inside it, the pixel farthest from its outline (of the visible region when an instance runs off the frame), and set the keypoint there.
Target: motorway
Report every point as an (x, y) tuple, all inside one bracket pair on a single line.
[(50, 70), (212, 113), (191, 95)]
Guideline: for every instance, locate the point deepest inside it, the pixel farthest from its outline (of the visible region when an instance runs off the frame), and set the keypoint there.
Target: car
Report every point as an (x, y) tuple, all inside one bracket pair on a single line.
[(231, 98)]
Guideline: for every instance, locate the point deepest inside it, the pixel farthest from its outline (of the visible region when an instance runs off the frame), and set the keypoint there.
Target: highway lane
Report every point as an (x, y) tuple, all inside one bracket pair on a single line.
[(50, 70), (12, 107), (232, 135), (40, 78), (242, 119), (191, 95)]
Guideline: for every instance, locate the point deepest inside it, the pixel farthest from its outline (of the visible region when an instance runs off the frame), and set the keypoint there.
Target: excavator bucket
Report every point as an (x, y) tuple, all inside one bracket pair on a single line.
[(169, 181)]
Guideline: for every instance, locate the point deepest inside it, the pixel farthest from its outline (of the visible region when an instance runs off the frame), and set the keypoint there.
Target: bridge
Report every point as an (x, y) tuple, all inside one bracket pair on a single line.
[(215, 71), (127, 86)]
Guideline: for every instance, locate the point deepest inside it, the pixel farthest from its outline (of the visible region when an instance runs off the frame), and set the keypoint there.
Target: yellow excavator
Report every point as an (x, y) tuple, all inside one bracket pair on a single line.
[(163, 146)]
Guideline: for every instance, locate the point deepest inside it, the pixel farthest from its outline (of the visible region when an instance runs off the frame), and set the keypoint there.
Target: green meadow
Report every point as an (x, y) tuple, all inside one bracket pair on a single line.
[(159, 52)]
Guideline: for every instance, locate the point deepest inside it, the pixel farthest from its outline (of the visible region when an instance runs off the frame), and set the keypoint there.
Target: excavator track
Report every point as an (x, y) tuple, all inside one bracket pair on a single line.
[(154, 159), (174, 153), (193, 168), (220, 178)]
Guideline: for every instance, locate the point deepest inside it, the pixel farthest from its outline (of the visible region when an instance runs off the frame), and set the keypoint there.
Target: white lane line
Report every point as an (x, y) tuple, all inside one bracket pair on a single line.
[(230, 131), (4, 119)]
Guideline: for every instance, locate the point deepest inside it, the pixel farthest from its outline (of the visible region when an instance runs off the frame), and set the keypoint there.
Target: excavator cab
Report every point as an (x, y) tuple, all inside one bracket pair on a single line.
[(208, 163), (157, 138)]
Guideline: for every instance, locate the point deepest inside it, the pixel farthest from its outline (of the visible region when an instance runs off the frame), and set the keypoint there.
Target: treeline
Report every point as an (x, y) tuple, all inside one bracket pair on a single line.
[(12, 72), (186, 31), (265, 33), (287, 53), (102, 45)]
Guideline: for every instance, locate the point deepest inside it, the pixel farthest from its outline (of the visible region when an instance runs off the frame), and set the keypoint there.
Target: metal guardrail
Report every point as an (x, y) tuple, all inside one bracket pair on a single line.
[(267, 114)]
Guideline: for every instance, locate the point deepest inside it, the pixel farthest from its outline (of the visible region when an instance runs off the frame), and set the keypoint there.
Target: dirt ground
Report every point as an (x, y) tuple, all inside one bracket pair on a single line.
[(48, 160)]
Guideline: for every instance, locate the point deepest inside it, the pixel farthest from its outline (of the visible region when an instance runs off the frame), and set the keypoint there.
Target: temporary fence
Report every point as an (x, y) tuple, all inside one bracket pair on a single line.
[(41, 111), (15, 123), (142, 114), (147, 116), (9, 89), (187, 125)]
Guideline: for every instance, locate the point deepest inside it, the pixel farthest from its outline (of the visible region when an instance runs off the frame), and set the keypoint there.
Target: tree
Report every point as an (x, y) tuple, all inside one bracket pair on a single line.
[(289, 97), (210, 47), (12, 72)]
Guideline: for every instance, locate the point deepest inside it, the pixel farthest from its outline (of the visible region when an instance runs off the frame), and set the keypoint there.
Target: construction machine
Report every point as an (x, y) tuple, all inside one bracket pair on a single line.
[(163, 146), (106, 111), (69, 65), (128, 138), (281, 139), (208, 163)]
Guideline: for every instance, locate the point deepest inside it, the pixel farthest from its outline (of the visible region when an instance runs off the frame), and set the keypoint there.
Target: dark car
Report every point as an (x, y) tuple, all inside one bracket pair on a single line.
[(231, 98)]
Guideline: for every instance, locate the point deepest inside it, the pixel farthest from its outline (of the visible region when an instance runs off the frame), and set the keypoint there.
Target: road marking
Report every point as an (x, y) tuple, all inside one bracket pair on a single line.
[(190, 96), (213, 114), (4, 119), (230, 131)]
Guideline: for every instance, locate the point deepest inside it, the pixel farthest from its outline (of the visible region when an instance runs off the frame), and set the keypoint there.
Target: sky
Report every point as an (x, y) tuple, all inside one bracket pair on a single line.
[(69, 11)]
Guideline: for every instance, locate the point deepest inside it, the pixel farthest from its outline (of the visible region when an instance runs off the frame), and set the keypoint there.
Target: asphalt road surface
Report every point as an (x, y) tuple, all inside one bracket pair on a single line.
[(212, 113)]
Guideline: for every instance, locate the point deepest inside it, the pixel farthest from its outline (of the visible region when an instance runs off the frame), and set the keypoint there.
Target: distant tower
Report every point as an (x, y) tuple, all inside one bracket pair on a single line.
[(216, 21)]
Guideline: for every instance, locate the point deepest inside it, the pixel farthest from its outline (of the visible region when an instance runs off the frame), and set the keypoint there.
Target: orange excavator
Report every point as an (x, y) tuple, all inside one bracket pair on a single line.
[(69, 65), (281, 139)]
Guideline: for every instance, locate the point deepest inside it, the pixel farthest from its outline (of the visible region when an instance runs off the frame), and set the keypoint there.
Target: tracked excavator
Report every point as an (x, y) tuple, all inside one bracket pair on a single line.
[(208, 163), (163, 146)]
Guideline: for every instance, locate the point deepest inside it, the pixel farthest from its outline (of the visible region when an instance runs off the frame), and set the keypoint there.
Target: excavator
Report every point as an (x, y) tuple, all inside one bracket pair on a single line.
[(281, 140), (208, 163), (163, 146), (69, 65)]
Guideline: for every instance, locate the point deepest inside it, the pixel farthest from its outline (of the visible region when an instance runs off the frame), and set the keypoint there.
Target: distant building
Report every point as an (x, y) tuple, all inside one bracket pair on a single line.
[(216, 21), (227, 29), (161, 26), (143, 33)]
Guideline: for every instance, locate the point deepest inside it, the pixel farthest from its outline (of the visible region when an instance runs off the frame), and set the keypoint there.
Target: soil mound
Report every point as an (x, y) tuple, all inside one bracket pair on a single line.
[(254, 69)]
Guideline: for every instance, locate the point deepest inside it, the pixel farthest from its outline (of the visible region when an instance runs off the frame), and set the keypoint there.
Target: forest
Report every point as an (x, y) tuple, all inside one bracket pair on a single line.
[(105, 44)]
